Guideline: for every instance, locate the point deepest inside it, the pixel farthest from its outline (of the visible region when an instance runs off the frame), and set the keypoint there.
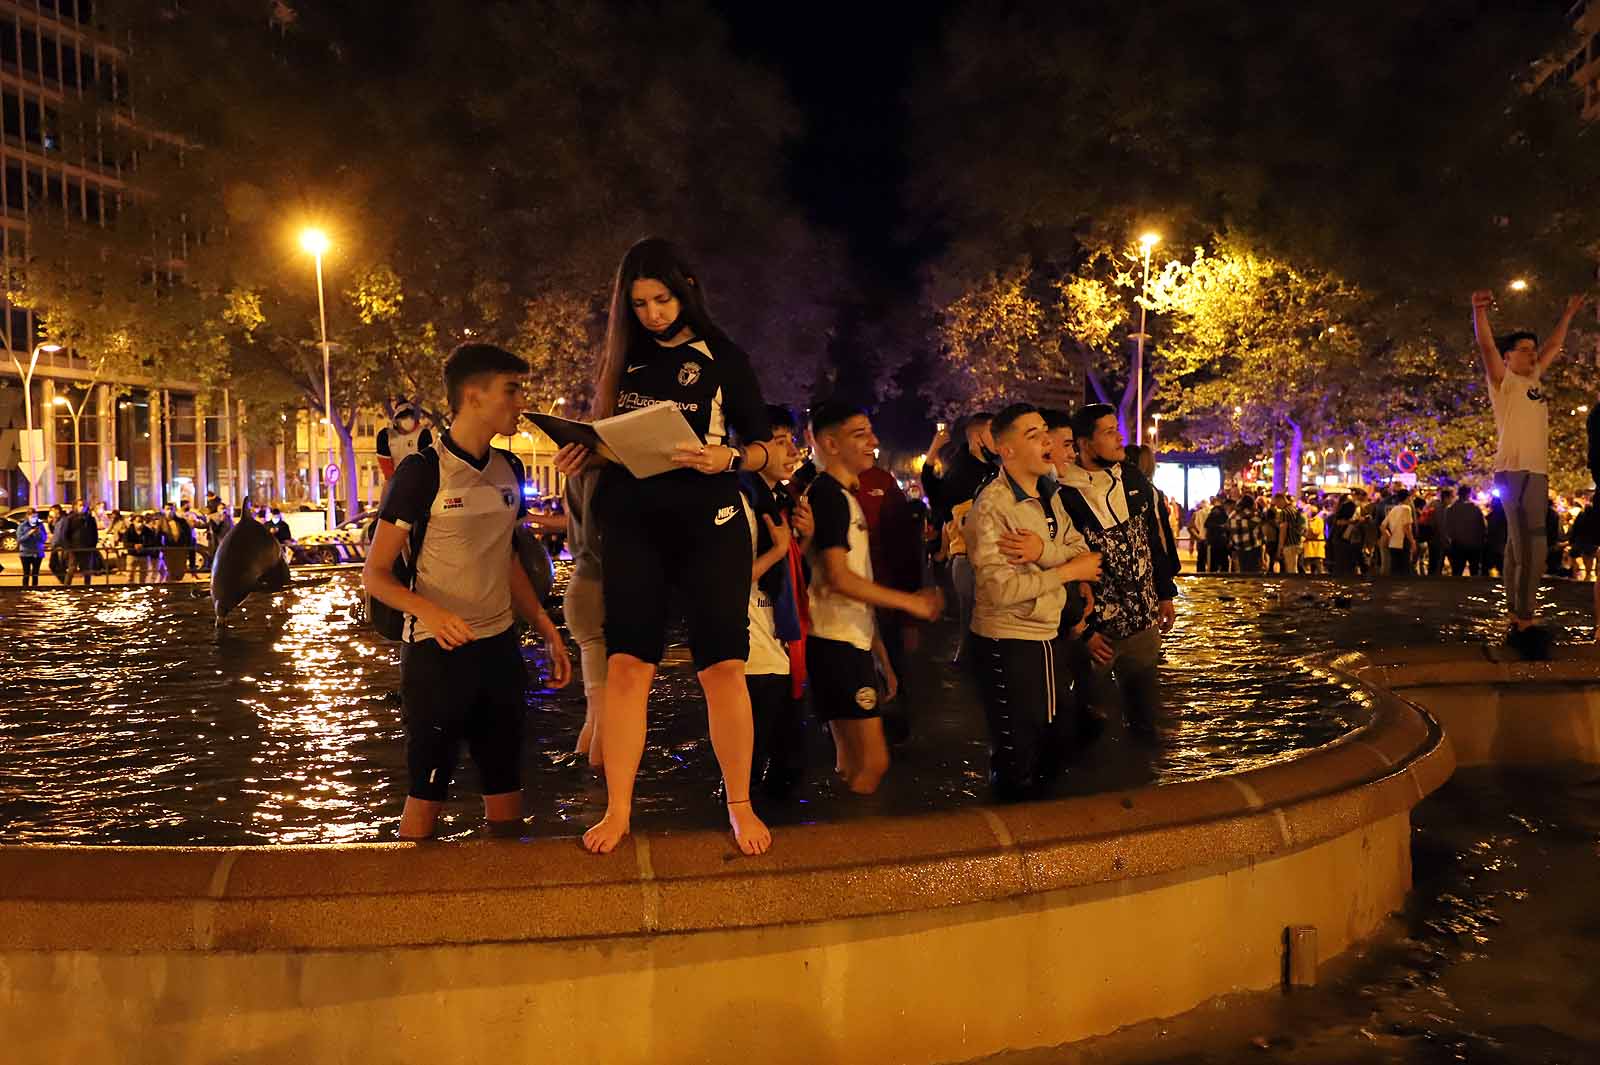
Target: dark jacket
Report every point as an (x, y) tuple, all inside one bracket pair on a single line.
[(1463, 524), (31, 537), (1136, 572), (958, 484)]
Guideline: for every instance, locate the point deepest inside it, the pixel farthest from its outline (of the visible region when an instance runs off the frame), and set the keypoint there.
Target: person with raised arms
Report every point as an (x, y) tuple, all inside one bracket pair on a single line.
[(462, 676), (1514, 365)]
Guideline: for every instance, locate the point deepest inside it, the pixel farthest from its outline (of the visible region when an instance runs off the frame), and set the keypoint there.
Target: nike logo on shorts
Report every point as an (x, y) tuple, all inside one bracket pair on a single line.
[(725, 515), (641, 366)]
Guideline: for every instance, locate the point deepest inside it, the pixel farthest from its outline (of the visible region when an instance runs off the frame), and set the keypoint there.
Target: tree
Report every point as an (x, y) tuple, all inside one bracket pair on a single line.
[(479, 175), (1411, 153)]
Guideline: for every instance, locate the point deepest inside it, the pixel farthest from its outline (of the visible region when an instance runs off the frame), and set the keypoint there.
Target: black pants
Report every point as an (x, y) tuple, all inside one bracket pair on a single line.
[(30, 571), (670, 543), (1249, 560), (1465, 559), (1399, 561), (1219, 558), (474, 693), (1031, 714), (779, 759), (1202, 556)]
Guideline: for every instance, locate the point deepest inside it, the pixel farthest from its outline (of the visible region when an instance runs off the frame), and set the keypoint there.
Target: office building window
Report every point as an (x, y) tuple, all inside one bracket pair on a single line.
[(13, 115), (51, 65), (8, 41), (32, 121), (30, 51)]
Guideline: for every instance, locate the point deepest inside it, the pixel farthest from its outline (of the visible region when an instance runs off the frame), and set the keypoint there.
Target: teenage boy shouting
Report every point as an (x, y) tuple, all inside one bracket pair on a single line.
[(1019, 651), (843, 640)]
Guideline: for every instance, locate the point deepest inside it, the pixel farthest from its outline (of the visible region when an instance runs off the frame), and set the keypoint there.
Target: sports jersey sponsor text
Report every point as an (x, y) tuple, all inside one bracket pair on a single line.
[(454, 503), (630, 400)]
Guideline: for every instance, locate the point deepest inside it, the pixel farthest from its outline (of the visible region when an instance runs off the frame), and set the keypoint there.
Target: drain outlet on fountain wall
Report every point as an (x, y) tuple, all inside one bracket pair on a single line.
[(1300, 963)]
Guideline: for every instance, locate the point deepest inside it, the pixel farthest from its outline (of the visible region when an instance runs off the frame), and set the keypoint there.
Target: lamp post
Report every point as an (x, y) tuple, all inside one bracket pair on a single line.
[(1155, 432), (315, 241), (77, 446), (1147, 242), (27, 406)]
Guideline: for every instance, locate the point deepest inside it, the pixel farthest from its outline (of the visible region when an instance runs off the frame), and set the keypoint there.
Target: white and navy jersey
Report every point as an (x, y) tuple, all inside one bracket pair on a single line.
[(471, 509), (711, 383), (840, 522), (768, 656), (395, 445)]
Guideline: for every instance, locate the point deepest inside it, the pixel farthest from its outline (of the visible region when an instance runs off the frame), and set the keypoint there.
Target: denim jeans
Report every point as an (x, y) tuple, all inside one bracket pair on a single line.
[(1526, 497)]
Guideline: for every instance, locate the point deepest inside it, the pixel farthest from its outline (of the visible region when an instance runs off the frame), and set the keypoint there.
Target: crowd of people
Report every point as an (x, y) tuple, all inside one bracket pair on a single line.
[(1451, 530), (91, 541), (805, 573)]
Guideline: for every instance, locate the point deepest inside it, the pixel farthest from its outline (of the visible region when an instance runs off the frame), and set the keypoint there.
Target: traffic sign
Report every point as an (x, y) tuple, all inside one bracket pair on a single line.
[(1406, 461), (330, 476)]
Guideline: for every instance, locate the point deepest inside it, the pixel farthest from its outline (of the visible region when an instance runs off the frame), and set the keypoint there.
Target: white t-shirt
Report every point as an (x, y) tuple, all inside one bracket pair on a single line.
[(1396, 522), (767, 653), (1522, 414), (839, 522)]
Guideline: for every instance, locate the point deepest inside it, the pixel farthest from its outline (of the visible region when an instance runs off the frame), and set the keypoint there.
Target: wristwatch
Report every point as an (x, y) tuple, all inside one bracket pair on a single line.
[(735, 460)]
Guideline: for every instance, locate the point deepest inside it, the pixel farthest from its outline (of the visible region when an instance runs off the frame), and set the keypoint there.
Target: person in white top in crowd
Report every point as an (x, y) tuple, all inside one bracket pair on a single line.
[(1514, 365), (843, 641), (1399, 534)]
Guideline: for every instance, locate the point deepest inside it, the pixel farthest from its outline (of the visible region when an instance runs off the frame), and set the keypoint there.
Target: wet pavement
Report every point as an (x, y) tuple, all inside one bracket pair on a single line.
[(1495, 961)]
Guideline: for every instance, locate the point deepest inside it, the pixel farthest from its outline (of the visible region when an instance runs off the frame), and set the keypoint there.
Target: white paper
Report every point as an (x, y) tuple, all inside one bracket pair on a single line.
[(644, 440)]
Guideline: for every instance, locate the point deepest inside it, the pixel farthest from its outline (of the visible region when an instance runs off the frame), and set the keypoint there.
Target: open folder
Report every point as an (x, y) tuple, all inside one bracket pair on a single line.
[(642, 440)]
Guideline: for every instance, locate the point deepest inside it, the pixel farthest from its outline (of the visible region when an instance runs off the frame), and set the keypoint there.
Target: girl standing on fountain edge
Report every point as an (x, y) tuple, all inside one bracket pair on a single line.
[(674, 539)]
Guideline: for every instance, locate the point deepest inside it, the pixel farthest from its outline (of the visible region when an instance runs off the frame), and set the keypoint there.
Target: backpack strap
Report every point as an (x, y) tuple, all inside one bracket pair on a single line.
[(520, 472)]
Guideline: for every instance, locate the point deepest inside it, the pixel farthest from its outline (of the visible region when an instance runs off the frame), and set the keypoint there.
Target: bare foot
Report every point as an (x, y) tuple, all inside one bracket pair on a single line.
[(604, 837), (749, 831)]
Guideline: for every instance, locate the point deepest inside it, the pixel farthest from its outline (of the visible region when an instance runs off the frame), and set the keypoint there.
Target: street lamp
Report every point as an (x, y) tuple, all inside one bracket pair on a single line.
[(27, 405), (1519, 285), (1155, 432), (316, 243), (1148, 241), (562, 402), (77, 447)]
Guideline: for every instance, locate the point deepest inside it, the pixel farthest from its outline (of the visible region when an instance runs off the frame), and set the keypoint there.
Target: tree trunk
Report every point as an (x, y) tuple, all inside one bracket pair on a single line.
[(1296, 457), (1277, 464), (347, 463)]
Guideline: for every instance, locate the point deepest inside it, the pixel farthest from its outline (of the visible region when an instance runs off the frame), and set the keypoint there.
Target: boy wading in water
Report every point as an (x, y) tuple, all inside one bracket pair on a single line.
[(1514, 364), (844, 639), (461, 671)]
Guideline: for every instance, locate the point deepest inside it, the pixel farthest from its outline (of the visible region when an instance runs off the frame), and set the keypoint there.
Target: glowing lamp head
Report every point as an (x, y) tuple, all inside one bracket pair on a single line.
[(60, 401), (49, 347), (1519, 285), (1149, 240), (314, 241), (561, 402)]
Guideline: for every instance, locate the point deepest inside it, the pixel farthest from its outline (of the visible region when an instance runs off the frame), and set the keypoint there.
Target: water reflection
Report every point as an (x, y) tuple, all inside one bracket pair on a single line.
[(123, 718)]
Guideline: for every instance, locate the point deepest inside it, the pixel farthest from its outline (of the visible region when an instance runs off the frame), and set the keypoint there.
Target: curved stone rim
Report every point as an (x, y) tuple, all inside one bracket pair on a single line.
[(377, 895)]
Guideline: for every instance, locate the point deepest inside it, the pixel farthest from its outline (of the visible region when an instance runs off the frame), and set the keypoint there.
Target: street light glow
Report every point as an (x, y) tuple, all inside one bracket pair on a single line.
[(314, 241), (1149, 240), (61, 401), (1519, 285), (49, 347)]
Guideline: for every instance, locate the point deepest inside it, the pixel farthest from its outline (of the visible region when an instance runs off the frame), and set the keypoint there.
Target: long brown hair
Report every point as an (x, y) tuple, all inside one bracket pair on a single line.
[(658, 260)]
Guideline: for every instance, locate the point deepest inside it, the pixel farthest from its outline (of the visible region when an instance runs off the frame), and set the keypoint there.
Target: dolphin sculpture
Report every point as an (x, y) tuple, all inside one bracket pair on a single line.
[(249, 559)]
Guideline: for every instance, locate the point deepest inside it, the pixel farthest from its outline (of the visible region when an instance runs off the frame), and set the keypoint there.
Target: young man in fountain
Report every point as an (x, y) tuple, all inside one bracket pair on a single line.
[(1020, 652), (1114, 506), (1514, 365), (843, 640), (461, 670)]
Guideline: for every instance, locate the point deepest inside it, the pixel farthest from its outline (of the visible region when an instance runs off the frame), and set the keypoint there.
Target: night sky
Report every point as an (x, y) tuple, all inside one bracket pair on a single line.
[(848, 69)]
